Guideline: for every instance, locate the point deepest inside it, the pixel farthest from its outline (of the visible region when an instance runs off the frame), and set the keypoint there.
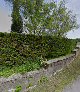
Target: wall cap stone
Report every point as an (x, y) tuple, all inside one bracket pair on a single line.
[(60, 58)]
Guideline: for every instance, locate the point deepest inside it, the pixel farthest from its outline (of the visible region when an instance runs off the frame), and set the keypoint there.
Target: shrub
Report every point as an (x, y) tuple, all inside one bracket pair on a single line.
[(18, 49)]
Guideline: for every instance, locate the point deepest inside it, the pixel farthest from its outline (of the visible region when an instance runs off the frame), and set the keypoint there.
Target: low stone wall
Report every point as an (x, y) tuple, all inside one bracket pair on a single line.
[(31, 79)]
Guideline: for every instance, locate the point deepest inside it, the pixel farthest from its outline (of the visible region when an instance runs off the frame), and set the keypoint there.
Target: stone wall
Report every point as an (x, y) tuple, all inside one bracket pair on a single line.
[(30, 79)]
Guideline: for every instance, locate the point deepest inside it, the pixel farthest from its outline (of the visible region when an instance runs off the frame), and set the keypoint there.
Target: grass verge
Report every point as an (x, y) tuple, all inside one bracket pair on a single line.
[(57, 82)]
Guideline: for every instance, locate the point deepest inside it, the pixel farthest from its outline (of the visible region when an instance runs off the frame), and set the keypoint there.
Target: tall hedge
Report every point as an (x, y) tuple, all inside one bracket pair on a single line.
[(17, 49)]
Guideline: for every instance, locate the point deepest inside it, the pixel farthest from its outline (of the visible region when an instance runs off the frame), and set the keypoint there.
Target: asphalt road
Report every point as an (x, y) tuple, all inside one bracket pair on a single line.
[(74, 87)]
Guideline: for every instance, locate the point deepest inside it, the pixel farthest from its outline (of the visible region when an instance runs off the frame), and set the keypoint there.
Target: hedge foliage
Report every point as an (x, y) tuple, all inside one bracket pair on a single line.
[(18, 49), (78, 39)]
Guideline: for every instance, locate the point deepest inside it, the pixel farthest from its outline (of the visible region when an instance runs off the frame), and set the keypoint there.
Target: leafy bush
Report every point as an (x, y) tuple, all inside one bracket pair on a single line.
[(17, 49)]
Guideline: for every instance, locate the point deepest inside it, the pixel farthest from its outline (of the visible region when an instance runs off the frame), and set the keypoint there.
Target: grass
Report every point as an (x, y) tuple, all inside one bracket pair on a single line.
[(57, 82), (18, 89), (7, 71)]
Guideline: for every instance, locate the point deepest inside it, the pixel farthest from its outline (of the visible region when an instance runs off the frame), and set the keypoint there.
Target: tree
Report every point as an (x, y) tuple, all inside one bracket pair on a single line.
[(48, 18), (64, 20), (17, 22), (42, 18), (35, 13), (32, 14)]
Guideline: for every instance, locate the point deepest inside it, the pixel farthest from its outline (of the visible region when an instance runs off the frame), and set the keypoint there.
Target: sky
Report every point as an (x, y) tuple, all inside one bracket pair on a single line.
[(5, 19), (74, 5)]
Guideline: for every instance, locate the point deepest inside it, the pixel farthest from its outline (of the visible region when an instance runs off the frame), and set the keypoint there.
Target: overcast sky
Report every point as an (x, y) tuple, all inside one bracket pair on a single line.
[(74, 5), (5, 19)]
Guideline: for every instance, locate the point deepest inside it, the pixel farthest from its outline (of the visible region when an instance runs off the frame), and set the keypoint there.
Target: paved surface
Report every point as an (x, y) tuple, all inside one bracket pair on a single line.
[(75, 87)]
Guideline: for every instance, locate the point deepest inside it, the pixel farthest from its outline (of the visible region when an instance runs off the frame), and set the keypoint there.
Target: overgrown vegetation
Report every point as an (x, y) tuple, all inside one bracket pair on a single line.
[(28, 51)]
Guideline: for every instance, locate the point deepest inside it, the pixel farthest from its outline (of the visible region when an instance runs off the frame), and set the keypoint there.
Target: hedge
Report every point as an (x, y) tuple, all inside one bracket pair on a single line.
[(17, 49)]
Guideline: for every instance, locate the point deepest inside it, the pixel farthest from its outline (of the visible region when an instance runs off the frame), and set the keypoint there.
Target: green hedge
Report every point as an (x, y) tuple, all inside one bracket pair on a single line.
[(78, 39), (17, 49)]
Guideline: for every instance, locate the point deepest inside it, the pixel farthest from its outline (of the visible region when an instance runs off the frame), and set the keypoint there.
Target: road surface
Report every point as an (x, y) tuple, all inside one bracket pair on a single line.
[(75, 87)]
